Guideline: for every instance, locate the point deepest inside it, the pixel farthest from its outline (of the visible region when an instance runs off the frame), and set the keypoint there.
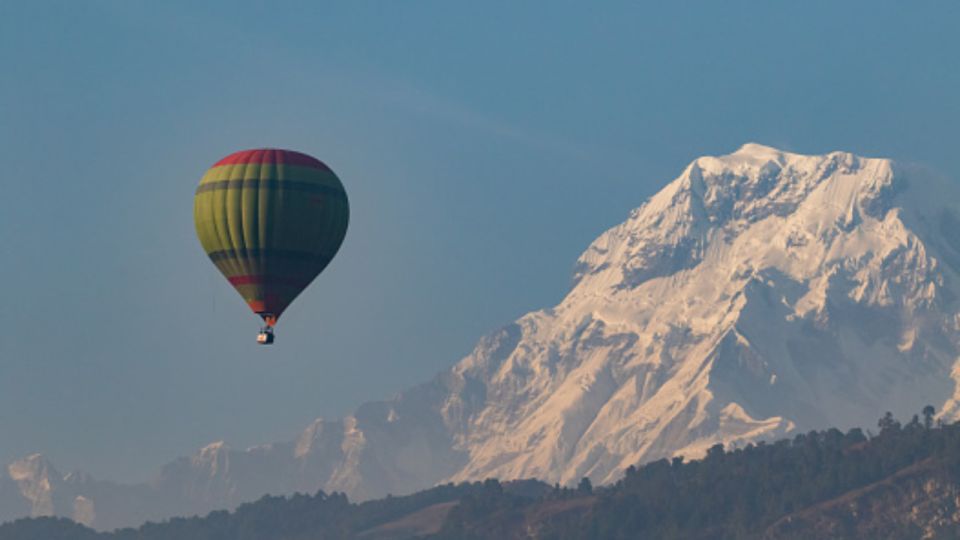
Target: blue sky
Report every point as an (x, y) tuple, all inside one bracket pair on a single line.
[(483, 146)]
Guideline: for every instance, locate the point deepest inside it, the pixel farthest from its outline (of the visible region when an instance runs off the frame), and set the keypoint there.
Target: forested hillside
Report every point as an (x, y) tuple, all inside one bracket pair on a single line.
[(901, 482)]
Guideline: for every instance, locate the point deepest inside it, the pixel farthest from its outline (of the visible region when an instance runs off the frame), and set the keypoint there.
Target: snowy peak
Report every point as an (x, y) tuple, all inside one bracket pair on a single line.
[(716, 198), (36, 478), (214, 457), (32, 468), (34, 486), (758, 152)]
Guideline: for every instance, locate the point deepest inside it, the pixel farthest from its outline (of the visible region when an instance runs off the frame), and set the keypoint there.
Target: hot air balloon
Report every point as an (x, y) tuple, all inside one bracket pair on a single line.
[(271, 221)]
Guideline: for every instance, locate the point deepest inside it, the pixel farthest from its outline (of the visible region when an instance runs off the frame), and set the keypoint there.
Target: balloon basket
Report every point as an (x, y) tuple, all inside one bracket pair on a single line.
[(265, 337)]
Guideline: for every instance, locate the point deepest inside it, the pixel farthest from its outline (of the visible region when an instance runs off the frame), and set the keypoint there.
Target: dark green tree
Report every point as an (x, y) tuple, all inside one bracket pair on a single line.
[(585, 486), (928, 413)]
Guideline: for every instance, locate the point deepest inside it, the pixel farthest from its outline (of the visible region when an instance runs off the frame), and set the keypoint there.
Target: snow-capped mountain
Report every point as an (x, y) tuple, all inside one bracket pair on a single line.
[(758, 294), (32, 487)]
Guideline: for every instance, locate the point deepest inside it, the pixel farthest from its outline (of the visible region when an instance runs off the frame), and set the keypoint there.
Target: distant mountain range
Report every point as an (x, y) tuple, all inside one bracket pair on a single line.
[(759, 294), (902, 483)]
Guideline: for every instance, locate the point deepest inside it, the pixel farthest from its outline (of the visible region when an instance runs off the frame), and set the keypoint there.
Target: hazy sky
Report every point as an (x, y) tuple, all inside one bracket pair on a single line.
[(483, 145)]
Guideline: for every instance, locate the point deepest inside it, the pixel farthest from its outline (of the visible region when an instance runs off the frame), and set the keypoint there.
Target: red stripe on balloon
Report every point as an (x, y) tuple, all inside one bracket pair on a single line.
[(268, 280), (272, 156)]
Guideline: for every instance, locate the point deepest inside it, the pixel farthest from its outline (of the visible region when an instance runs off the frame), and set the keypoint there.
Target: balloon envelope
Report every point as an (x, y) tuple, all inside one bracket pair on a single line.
[(271, 221)]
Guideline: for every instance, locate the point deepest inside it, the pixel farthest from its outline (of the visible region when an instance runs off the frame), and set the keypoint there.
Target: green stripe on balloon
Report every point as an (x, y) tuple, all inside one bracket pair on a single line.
[(269, 184)]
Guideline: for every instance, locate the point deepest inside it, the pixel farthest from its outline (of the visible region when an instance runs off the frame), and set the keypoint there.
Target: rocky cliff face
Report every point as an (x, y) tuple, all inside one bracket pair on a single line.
[(757, 294)]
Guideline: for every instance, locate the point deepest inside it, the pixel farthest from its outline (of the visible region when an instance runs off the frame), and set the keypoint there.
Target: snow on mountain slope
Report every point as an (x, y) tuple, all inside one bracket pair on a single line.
[(760, 293), (33, 487), (35, 478)]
